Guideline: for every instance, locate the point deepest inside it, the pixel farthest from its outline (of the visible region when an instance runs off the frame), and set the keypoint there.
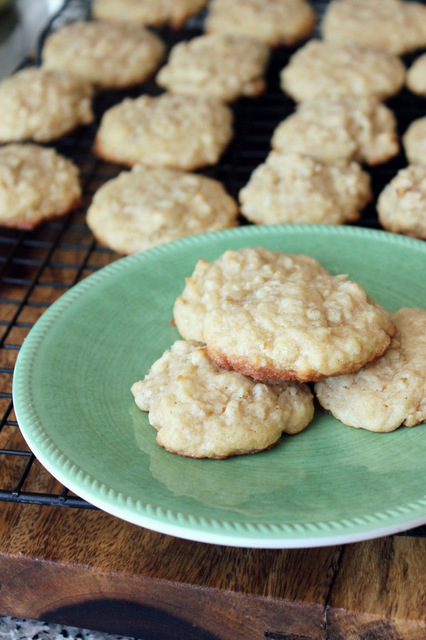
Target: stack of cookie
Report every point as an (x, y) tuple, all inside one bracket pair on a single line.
[(260, 326)]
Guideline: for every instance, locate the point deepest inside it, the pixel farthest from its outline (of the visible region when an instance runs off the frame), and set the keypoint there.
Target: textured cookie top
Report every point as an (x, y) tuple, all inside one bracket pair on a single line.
[(347, 127), (275, 22), (201, 410), (402, 203), (150, 13), (108, 55), (41, 105), (322, 68), (297, 188), (229, 277), (171, 130), (35, 184), (416, 76), (390, 392), (297, 327), (149, 206), (397, 26), (414, 141), (221, 66)]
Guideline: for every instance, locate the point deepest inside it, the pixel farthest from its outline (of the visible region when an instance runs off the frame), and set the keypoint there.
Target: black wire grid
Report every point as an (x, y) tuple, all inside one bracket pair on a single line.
[(34, 266)]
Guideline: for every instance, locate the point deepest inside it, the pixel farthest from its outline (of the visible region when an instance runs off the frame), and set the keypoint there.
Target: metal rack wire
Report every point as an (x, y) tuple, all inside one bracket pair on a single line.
[(59, 254)]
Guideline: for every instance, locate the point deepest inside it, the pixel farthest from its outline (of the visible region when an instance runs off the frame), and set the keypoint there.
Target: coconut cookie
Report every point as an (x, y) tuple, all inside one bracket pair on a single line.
[(274, 22), (299, 327), (397, 26), (401, 206), (41, 105), (389, 393), (414, 141), (297, 188), (146, 206), (322, 68), (170, 130), (203, 411), (148, 13), (108, 55), (221, 66), (228, 277), (416, 76), (347, 127), (35, 184)]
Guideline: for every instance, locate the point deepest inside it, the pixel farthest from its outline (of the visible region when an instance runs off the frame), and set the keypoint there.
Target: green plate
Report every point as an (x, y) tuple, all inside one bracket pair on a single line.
[(329, 484)]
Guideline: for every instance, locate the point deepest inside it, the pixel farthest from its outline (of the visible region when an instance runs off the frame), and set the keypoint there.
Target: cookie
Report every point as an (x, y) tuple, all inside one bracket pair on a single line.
[(392, 391), (297, 188), (42, 105), (221, 66), (274, 22), (401, 206), (414, 141), (296, 327), (347, 127), (322, 68), (202, 411), (108, 55), (416, 74), (228, 277), (148, 13), (396, 26), (36, 184), (146, 206), (170, 130)]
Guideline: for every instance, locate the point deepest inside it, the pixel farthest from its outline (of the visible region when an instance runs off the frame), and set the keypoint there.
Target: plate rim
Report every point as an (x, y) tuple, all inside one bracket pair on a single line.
[(169, 521)]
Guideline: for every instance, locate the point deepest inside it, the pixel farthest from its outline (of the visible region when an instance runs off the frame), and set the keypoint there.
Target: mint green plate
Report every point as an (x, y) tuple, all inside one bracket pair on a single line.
[(329, 484)]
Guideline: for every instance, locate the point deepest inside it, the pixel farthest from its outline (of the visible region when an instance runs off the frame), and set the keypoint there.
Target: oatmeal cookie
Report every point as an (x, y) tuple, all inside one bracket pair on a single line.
[(35, 184), (170, 130), (416, 76), (347, 127), (401, 206), (396, 26), (274, 22), (223, 66), (148, 206), (297, 188), (202, 411), (107, 55), (42, 105), (392, 391), (148, 13), (414, 141), (297, 327), (322, 68), (229, 276)]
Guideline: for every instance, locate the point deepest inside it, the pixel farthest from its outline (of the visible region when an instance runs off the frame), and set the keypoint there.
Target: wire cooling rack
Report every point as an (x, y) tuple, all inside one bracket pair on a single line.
[(37, 267)]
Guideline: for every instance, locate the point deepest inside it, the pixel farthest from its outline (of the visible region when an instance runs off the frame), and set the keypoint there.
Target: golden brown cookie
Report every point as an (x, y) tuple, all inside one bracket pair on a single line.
[(401, 206), (148, 13), (202, 411), (414, 141)]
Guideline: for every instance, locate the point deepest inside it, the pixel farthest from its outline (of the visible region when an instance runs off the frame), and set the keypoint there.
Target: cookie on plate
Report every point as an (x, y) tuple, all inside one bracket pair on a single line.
[(323, 68), (389, 393), (42, 105), (228, 277), (397, 26), (202, 411), (170, 130), (36, 184), (108, 55), (401, 206), (414, 141), (297, 188), (223, 66), (347, 127), (148, 206), (274, 22), (148, 13)]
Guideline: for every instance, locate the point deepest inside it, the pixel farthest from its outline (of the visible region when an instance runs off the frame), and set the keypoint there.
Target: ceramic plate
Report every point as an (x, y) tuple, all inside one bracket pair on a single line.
[(329, 484)]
